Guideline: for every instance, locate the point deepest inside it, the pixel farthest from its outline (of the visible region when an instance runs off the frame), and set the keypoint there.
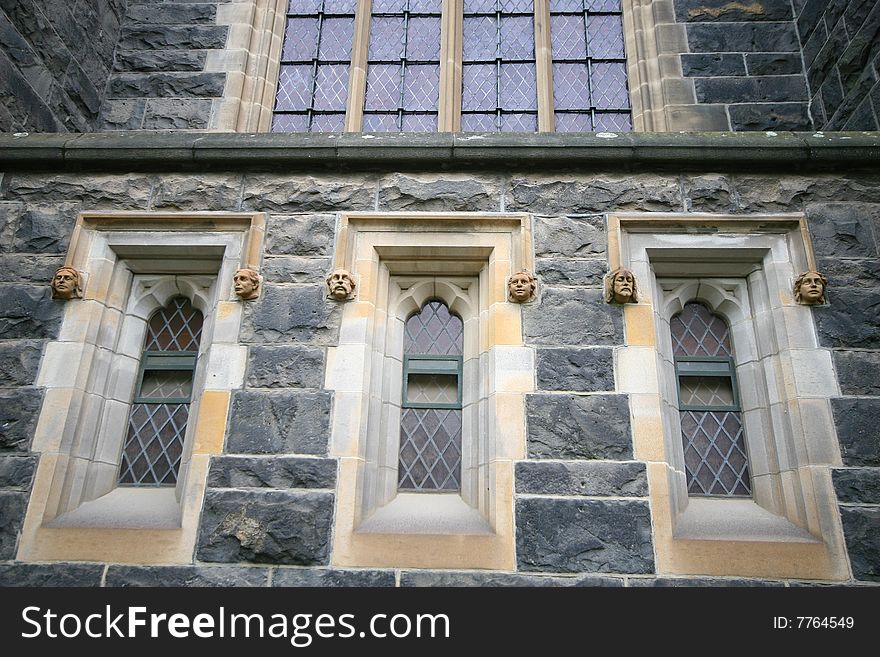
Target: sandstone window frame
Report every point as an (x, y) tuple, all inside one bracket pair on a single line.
[(133, 264), (741, 267), (400, 260)]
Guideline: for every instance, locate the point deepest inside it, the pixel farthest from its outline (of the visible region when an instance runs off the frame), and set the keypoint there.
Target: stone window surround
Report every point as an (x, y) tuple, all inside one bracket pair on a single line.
[(662, 99), (76, 510), (400, 260), (743, 268)]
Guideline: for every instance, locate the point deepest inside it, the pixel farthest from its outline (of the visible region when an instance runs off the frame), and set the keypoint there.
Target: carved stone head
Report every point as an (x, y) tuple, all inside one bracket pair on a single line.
[(809, 288), (66, 283), (521, 287), (246, 284), (620, 286), (340, 285)]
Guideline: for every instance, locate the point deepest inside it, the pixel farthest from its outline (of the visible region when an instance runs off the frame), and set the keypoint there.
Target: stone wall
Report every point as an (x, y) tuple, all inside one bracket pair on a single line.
[(841, 45), (582, 511), (55, 58), (745, 57)]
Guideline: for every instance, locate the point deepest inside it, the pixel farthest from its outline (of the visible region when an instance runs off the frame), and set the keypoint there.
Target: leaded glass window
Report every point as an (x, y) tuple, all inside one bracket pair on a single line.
[(715, 456), (589, 66), (430, 423), (157, 421)]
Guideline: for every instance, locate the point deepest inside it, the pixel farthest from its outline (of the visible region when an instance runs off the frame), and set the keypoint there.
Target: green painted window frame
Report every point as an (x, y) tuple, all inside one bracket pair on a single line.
[(707, 367), (436, 365), (152, 361)]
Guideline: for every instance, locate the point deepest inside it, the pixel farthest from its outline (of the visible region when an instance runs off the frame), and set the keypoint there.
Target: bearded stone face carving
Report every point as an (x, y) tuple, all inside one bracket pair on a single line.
[(340, 285), (521, 287), (620, 286), (809, 288), (246, 284), (66, 284)]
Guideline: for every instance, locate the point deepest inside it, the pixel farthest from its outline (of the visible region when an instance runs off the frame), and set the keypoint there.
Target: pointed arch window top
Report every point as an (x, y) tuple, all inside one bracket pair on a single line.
[(176, 327)]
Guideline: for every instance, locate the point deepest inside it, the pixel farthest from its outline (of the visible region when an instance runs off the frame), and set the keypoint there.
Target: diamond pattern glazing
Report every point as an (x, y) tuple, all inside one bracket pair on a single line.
[(706, 391), (567, 36), (154, 445), (518, 87), (430, 450), (421, 87), (571, 88), (609, 86), (177, 327), (714, 453), (383, 87), (613, 122), (605, 37), (167, 384), (331, 87), (433, 331), (698, 332), (573, 122), (300, 39)]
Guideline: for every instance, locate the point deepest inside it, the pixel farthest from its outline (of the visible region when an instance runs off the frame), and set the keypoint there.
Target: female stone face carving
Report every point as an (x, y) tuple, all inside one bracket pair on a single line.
[(620, 286), (809, 288), (521, 287), (340, 285), (66, 284), (246, 284)]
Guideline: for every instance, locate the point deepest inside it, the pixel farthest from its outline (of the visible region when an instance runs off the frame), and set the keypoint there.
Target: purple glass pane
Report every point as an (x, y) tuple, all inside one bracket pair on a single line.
[(570, 86), (480, 6), (478, 87), (340, 6), (609, 86), (383, 87), (698, 332), (176, 327), (389, 6), (566, 5), (568, 37), (290, 123), (714, 453), (605, 35), (517, 37), (518, 87), (480, 38), (613, 122), (421, 87), (300, 39), (331, 87), (603, 5), (294, 88), (426, 6), (430, 449), (304, 6), (573, 122), (433, 330), (328, 122), (423, 39), (420, 123), (380, 123), (478, 123), (336, 38), (154, 444), (386, 38), (519, 123), (511, 6)]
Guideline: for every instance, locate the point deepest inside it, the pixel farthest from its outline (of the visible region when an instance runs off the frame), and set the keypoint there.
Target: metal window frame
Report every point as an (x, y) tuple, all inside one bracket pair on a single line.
[(432, 364), (152, 361), (721, 367)]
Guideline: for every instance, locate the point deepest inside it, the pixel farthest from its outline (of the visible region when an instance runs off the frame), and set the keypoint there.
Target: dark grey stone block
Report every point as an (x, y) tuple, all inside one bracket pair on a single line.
[(578, 427), (577, 369), (293, 193), (285, 366), (582, 478), (291, 269), (742, 37), (292, 314), (701, 582), (709, 193), (723, 11), (99, 191), (445, 578), (279, 422), (13, 505), (851, 320), (770, 116), (174, 114), (857, 421), (275, 472), (17, 472), (560, 535), (308, 577), (166, 85), (19, 362), (174, 37), (776, 63), (455, 193), (861, 528), (810, 17), (772, 89), (594, 194), (122, 114), (46, 228), (188, 576), (147, 61), (566, 316), (857, 485), (188, 13), (203, 191), (56, 574), (571, 272), (570, 236), (844, 229), (28, 268), (827, 55), (27, 311), (19, 410), (9, 215), (266, 527), (813, 43), (308, 235), (788, 193), (846, 273), (857, 372), (712, 64), (862, 117)]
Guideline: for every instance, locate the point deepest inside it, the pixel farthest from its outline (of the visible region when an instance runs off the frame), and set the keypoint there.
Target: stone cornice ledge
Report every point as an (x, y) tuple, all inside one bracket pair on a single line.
[(200, 151)]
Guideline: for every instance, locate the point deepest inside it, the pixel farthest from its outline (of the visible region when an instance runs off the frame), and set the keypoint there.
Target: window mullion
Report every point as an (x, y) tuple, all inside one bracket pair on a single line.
[(357, 79), (451, 40), (544, 67)]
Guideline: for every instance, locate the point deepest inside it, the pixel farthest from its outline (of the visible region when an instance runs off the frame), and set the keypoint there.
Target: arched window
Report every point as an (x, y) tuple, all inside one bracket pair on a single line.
[(716, 461), (159, 412), (430, 422)]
